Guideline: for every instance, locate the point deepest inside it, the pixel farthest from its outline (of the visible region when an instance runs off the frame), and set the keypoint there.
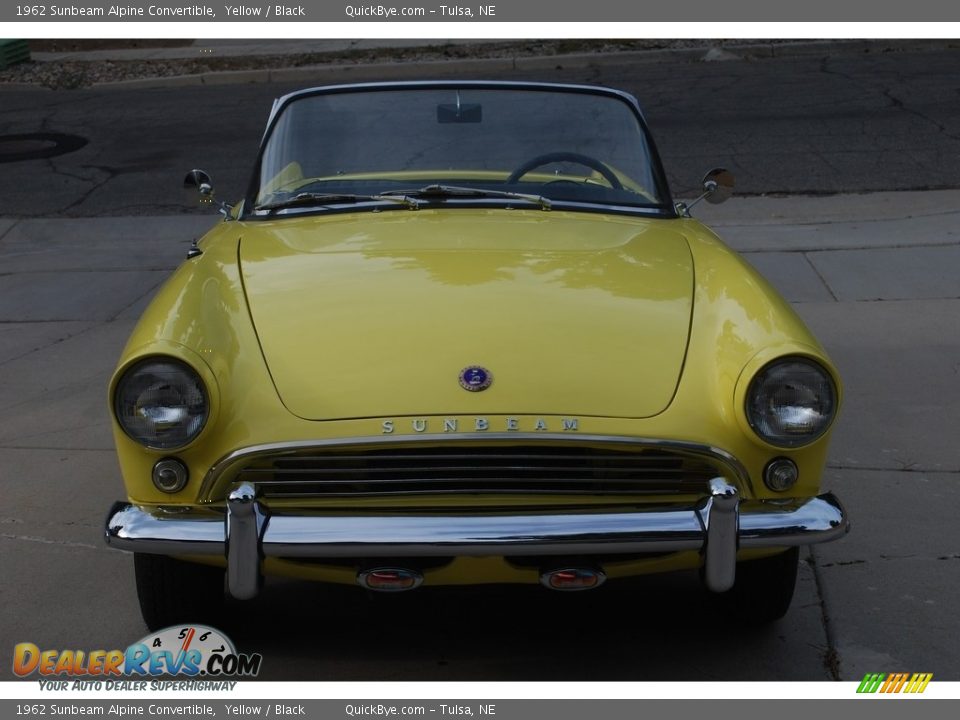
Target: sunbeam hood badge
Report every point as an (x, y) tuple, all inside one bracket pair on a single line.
[(475, 378)]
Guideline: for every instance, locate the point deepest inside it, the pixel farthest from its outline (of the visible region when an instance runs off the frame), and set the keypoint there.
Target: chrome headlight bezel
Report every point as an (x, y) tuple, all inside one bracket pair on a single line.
[(168, 378), (796, 376)]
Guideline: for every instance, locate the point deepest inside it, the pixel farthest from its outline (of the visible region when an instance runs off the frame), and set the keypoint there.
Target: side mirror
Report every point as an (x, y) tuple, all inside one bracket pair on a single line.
[(718, 186), (200, 181)]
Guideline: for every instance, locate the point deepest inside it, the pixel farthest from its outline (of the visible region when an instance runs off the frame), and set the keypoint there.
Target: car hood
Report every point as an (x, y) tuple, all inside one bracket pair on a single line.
[(376, 314)]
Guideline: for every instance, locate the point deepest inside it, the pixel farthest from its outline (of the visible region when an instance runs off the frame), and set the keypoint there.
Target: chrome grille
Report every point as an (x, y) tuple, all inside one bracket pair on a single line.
[(485, 469)]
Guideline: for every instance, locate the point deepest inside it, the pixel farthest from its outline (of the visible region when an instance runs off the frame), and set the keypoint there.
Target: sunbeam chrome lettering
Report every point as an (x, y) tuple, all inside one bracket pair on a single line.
[(478, 424)]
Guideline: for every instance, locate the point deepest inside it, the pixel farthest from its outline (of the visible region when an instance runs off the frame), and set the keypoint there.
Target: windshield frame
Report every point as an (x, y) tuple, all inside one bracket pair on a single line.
[(665, 209)]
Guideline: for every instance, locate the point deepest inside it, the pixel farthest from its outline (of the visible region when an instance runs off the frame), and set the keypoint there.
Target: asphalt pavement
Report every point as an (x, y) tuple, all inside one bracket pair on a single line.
[(831, 121), (873, 274)]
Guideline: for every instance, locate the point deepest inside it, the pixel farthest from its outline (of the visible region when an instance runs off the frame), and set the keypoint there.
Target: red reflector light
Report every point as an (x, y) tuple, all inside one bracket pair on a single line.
[(572, 579), (390, 579)]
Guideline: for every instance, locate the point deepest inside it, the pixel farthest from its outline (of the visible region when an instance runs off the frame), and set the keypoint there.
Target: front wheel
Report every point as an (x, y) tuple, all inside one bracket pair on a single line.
[(764, 588), (173, 592)]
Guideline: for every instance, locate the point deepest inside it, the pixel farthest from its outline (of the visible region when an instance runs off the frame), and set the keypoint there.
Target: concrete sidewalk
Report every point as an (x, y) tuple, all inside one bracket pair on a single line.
[(877, 277)]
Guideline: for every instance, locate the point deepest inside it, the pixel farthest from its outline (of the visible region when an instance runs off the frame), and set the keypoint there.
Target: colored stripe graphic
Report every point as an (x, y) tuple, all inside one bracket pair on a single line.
[(919, 682), (894, 682), (870, 683)]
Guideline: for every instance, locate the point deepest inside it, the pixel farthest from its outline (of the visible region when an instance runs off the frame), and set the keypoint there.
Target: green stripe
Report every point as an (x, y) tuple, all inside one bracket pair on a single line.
[(871, 682)]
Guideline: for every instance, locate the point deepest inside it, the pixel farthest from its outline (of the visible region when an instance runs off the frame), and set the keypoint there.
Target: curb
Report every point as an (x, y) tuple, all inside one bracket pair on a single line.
[(429, 68), (332, 73), (23, 86)]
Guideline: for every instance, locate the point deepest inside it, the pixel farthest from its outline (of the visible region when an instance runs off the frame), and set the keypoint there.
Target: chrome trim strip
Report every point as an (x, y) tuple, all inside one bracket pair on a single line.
[(230, 460), (716, 526), (644, 211), (279, 102)]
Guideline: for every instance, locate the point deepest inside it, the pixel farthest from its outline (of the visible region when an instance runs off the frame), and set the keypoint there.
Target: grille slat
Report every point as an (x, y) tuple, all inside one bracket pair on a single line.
[(403, 470), (480, 470), (291, 492), (446, 480), (413, 456)]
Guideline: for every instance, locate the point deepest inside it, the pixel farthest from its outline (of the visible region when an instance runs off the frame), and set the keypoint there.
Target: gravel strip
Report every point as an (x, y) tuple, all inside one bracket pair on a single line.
[(67, 75)]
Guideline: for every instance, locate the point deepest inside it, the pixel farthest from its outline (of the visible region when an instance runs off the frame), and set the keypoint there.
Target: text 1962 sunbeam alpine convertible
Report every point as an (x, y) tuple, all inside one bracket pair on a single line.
[(459, 332)]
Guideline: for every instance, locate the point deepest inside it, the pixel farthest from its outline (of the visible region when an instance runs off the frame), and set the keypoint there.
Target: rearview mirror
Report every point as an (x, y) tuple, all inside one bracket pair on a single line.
[(459, 113)]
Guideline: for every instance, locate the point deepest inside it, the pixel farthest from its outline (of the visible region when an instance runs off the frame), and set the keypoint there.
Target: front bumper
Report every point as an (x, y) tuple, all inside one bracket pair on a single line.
[(717, 526)]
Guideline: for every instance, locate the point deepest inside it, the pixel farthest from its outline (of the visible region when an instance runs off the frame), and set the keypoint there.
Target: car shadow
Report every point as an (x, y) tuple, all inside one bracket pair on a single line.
[(665, 627)]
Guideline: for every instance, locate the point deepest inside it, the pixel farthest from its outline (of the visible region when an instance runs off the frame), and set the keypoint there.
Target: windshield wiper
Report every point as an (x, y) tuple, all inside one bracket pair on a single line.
[(308, 198), (455, 191)]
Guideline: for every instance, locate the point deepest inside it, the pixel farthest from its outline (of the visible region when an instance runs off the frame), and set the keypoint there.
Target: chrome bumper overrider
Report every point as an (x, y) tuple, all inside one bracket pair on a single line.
[(717, 526)]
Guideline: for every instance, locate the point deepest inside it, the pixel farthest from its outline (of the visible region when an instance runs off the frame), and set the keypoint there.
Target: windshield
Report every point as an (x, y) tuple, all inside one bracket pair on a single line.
[(457, 145)]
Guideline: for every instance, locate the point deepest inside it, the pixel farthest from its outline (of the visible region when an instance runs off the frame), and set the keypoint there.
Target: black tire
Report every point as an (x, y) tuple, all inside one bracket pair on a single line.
[(764, 588), (172, 592)]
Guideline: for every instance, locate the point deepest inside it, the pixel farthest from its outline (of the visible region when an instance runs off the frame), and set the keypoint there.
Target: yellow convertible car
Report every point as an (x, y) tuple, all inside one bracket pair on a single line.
[(460, 333)]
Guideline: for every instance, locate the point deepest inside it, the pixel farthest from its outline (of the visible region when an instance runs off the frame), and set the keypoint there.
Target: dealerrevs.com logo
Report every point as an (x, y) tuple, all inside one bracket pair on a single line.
[(185, 650), (894, 683)]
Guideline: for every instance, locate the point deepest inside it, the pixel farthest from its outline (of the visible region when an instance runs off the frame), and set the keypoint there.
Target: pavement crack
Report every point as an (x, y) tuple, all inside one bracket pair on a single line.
[(901, 105), (828, 70), (62, 523), (851, 248), (906, 469), (56, 448), (98, 270), (111, 173), (6, 232), (45, 346), (892, 100), (845, 221), (48, 541), (147, 208), (51, 163), (823, 280), (831, 657), (137, 299), (841, 563)]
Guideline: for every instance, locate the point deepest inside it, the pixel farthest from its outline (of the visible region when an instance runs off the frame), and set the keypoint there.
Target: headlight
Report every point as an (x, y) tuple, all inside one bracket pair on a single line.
[(161, 403), (791, 402)]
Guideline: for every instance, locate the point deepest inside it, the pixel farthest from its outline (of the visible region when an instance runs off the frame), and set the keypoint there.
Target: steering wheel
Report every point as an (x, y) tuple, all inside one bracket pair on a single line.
[(555, 157)]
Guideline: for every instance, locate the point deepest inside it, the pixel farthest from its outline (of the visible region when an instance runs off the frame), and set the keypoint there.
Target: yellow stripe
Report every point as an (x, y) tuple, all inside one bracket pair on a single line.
[(926, 678)]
